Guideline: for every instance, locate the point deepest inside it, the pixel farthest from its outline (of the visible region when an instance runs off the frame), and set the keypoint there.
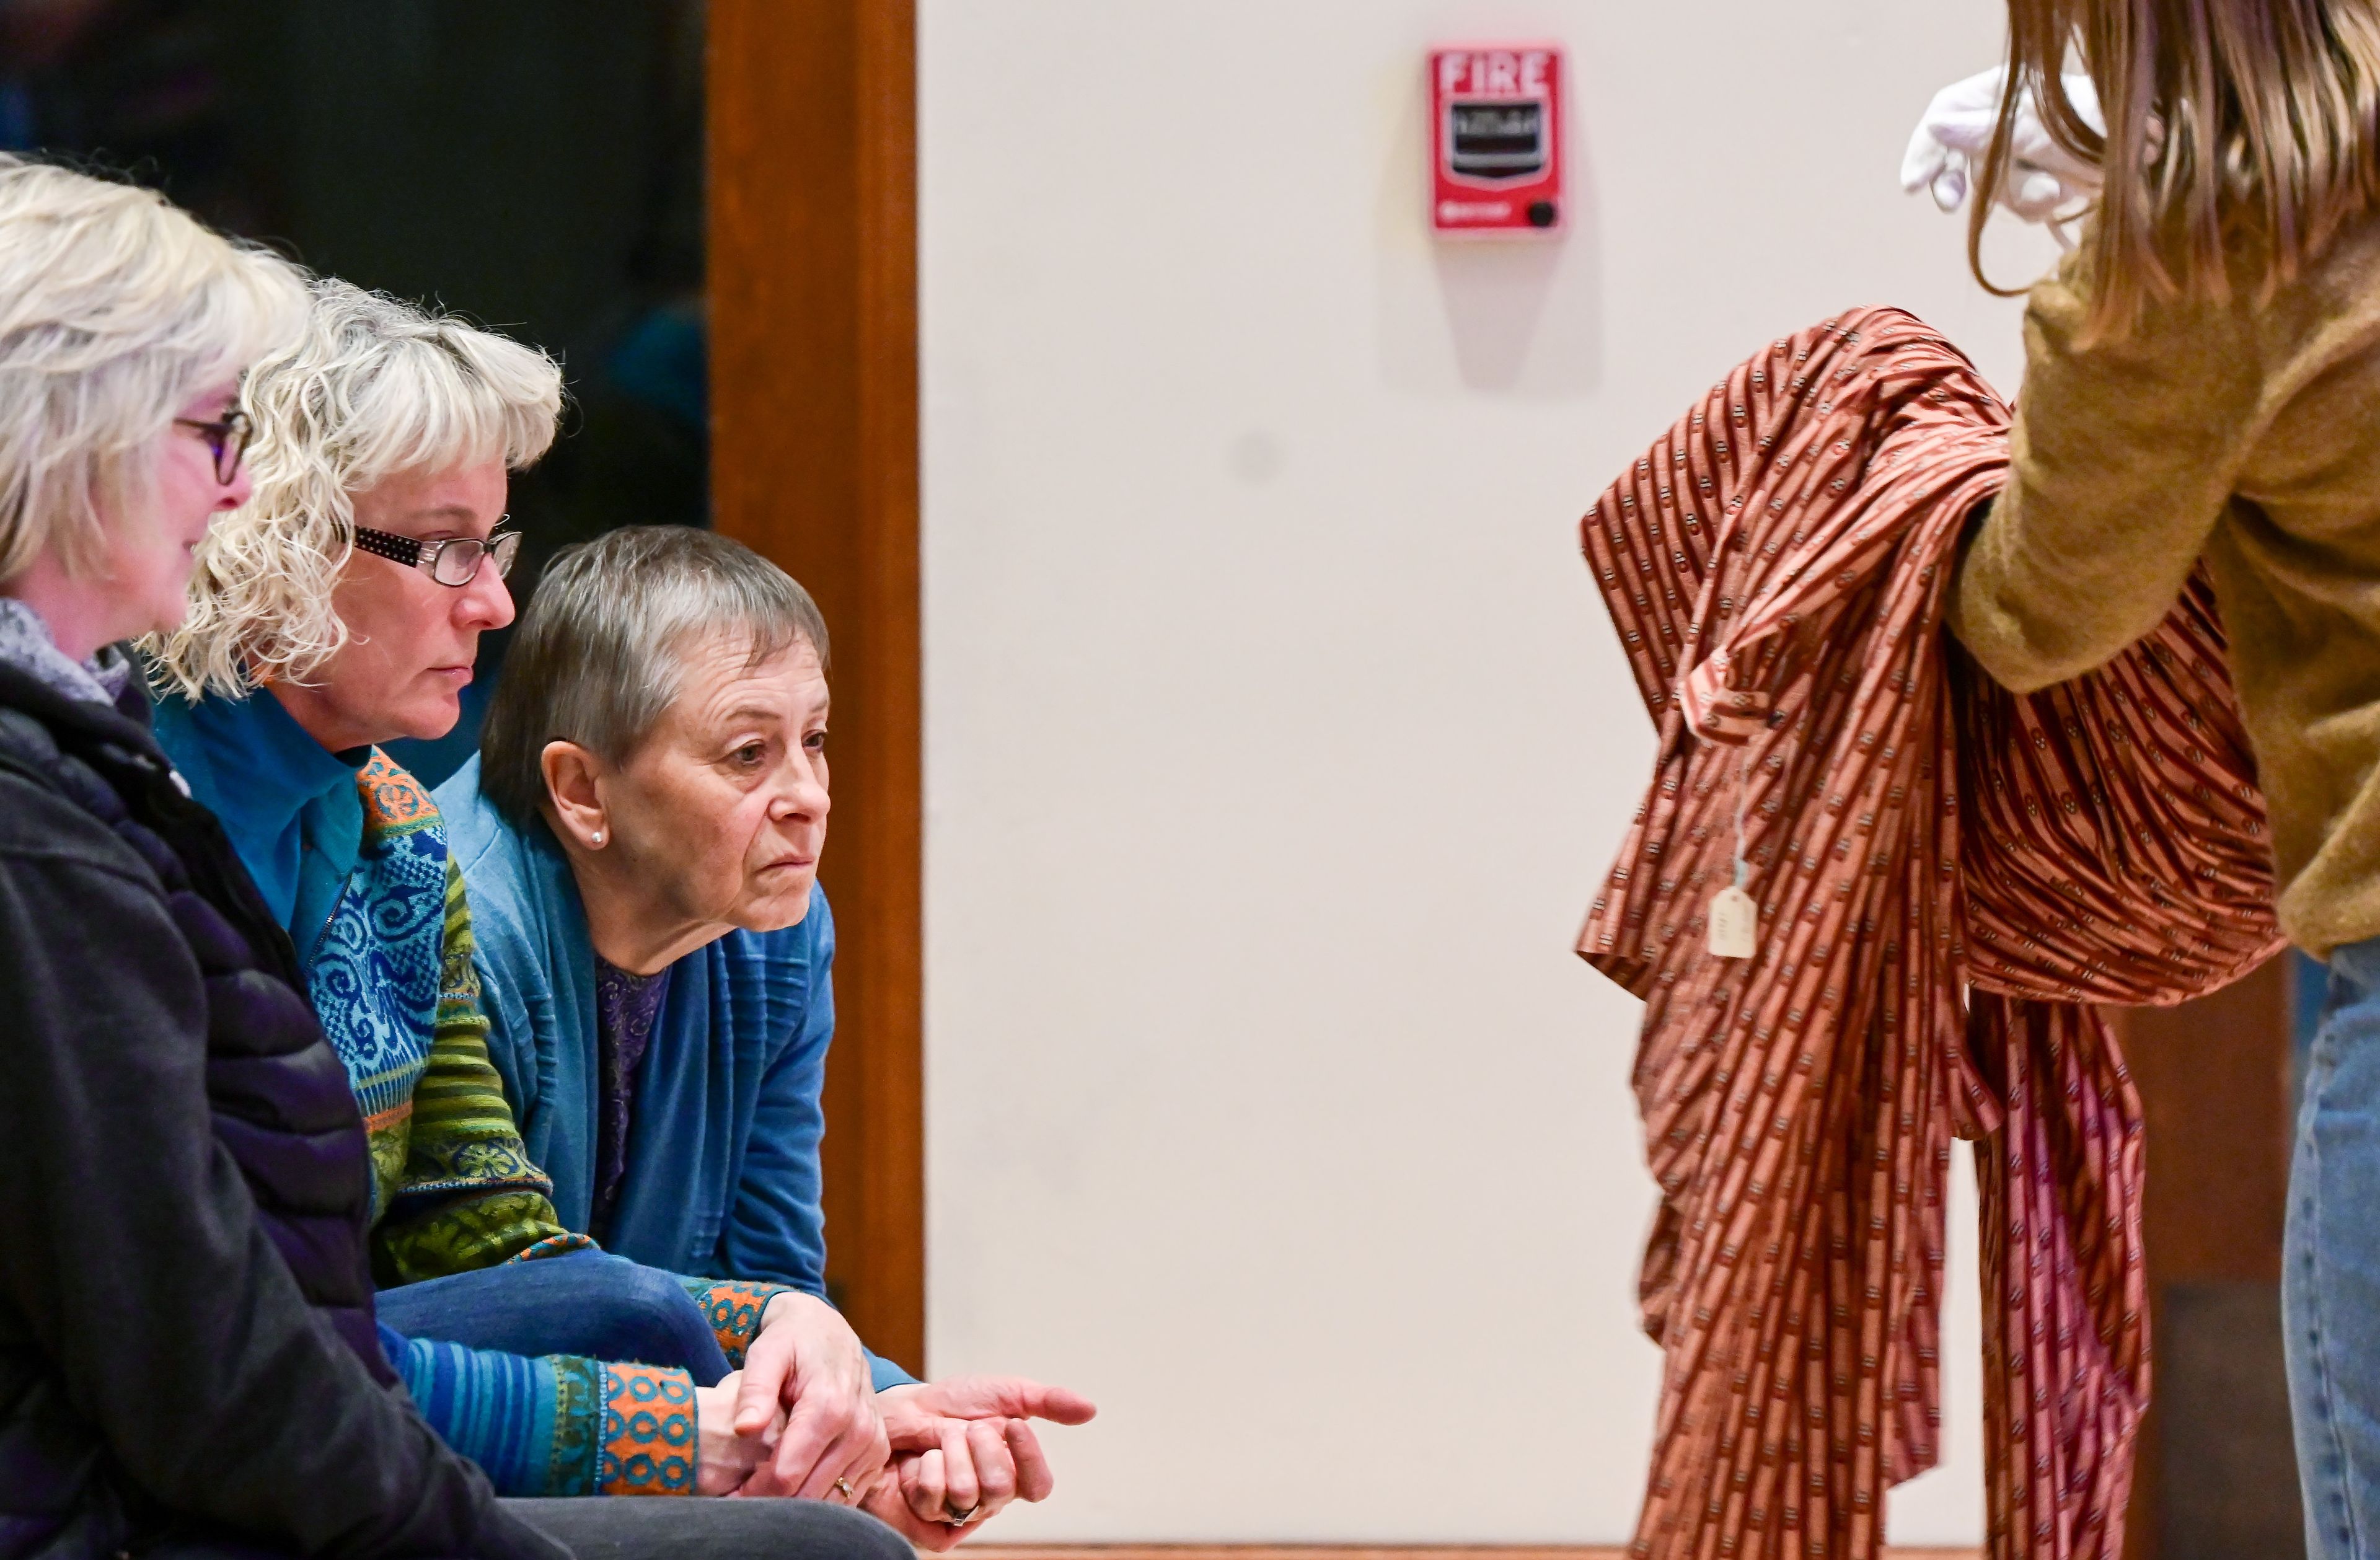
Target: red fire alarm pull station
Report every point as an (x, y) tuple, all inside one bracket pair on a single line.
[(1496, 140)]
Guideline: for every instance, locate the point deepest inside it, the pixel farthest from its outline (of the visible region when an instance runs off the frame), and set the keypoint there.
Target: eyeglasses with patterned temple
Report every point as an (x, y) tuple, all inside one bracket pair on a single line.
[(226, 436), (453, 560)]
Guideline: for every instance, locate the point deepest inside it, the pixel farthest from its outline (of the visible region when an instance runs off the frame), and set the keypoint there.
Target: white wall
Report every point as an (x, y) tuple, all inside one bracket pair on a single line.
[(1276, 741)]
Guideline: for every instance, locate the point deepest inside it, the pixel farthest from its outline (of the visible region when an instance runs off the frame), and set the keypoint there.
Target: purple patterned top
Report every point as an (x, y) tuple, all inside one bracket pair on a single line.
[(626, 1006)]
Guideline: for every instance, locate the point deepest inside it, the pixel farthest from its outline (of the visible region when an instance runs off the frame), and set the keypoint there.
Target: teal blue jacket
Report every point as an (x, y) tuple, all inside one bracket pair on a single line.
[(722, 1163)]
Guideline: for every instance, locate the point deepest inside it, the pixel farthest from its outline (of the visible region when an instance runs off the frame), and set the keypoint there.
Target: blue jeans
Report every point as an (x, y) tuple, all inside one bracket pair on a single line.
[(585, 1303), (2330, 1266)]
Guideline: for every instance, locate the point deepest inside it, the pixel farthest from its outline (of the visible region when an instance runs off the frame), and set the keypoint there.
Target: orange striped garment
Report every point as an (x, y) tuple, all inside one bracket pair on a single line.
[(1949, 877)]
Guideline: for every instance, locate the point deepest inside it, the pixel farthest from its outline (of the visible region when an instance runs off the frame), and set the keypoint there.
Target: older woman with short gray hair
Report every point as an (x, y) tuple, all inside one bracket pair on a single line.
[(641, 834)]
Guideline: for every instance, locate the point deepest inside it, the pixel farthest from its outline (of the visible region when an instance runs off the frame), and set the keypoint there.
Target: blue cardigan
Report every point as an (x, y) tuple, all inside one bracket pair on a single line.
[(722, 1164)]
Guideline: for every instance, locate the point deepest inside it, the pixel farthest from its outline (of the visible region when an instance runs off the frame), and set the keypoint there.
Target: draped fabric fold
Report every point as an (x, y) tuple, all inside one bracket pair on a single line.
[(1949, 877)]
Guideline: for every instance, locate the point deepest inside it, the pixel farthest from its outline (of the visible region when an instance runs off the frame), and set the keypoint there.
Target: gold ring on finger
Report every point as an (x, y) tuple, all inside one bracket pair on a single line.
[(845, 1485)]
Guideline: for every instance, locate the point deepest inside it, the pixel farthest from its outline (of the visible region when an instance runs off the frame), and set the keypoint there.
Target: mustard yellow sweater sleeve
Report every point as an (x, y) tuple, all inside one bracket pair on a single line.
[(2125, 453)]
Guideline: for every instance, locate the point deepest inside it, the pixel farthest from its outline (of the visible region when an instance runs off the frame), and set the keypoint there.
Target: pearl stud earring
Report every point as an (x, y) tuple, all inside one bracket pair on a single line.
[(599, 836)]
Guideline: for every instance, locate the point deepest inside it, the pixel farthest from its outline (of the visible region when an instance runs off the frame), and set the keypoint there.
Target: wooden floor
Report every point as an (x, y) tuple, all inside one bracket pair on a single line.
[(1337, 1552)]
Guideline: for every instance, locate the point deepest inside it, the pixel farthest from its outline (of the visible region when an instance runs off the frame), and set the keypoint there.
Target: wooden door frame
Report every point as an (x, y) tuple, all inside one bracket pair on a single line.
[(811, 111)]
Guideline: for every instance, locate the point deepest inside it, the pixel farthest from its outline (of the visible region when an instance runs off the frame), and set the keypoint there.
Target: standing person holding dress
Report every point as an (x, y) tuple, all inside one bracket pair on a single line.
[(2202, 381)]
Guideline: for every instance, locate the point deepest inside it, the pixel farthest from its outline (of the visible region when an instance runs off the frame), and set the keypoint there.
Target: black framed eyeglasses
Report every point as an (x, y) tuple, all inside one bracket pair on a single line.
[(454, 560), (227, 438)]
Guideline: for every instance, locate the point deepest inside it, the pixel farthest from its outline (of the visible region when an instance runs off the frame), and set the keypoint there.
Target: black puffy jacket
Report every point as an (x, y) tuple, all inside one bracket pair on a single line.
[(186, 1342)]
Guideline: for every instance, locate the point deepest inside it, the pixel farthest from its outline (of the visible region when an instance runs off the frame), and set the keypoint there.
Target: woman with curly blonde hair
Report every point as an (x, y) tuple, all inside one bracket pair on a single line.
[(341, 608), (305, 645)]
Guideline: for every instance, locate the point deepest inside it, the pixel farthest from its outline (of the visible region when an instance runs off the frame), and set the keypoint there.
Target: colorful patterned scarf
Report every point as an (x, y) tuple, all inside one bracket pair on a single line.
[(390, 974), (1947, 875)]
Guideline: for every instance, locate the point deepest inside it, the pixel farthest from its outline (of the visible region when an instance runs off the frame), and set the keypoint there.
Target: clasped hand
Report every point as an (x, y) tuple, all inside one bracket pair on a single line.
[(934, 1460), (963, 1448)]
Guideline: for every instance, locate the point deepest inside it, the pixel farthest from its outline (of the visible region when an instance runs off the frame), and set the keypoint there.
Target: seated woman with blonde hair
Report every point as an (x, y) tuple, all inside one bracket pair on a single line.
[(341, 608), (187, 1358), (641, 834)]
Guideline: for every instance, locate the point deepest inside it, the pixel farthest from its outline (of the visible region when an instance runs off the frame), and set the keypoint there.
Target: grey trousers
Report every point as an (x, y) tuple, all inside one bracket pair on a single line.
[(631, 1527)]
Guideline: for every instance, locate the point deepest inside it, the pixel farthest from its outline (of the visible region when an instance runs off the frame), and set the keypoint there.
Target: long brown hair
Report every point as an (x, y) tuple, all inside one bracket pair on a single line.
[(2228, 122)]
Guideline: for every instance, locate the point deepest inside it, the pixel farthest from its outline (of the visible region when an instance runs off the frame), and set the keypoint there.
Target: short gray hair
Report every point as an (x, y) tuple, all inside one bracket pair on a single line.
[(372, 388), (598, 656), (116, 309)]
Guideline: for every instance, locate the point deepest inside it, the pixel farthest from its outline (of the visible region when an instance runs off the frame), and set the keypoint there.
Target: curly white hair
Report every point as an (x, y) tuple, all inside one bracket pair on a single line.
[(373, 387)]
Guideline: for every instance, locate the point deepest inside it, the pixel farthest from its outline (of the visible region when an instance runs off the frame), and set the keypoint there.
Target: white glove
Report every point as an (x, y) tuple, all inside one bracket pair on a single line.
[(2044, 181)]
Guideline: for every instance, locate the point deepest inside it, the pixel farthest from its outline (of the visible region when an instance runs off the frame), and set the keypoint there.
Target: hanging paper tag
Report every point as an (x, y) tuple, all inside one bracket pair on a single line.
[(1734, 924)]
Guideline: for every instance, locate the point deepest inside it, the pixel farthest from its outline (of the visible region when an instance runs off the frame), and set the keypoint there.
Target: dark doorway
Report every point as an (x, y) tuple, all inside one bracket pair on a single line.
[(535, 164)]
